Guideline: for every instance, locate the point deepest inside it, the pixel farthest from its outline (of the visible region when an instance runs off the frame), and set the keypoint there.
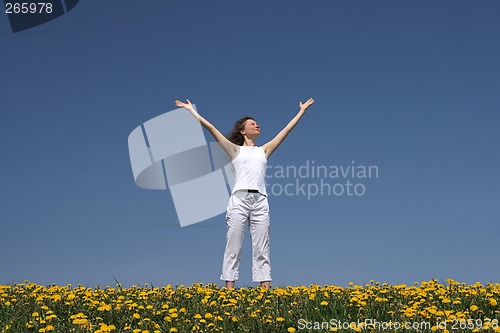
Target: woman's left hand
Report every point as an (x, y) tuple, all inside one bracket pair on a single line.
[(306, 104), (187, 105)]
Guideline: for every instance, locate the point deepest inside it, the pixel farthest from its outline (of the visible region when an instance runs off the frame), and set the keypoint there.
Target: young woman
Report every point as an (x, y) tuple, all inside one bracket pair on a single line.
[(248, 202)]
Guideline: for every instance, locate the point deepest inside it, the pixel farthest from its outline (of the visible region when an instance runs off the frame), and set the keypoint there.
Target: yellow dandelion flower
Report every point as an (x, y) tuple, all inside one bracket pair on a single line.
[(280, 319), (291, 329), (474, 308), (136, 316), (56, 297), (493, 302), (324, 303), (104, 307), (80, 321)]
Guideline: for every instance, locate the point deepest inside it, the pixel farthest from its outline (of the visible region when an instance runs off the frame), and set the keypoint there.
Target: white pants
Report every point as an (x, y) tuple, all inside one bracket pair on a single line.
[(252, 209)]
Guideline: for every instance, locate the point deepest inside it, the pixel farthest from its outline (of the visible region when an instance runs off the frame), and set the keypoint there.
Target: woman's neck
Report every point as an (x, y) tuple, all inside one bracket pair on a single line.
[(248, 142)]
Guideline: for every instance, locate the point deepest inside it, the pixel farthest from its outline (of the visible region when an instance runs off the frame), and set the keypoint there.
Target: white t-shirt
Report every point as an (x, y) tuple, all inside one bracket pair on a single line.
[(250, 165)]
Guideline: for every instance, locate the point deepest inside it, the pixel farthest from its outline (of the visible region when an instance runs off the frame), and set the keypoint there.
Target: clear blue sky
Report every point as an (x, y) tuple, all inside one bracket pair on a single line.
[(412, 87)]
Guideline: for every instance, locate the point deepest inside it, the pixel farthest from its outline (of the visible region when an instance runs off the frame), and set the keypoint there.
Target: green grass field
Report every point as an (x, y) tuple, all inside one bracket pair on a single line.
[(375, 307)]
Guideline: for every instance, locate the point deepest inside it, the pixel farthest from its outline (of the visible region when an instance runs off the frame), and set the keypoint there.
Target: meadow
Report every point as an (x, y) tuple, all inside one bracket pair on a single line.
[(428, 306)]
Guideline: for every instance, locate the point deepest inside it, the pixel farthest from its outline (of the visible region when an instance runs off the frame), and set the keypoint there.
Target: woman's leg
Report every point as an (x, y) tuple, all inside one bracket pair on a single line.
[(236, 220), (265, 284), (259, 233)]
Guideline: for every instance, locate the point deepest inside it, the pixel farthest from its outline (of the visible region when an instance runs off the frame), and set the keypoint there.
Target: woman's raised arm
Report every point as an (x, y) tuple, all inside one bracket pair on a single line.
[(271, 146), (229, 147)]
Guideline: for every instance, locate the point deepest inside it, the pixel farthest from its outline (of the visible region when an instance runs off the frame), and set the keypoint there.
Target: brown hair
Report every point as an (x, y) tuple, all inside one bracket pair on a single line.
[(235, 136)]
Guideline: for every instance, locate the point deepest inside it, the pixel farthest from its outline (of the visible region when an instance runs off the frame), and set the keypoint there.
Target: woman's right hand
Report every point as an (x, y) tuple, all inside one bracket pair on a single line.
[(187, 105), (305, 105)]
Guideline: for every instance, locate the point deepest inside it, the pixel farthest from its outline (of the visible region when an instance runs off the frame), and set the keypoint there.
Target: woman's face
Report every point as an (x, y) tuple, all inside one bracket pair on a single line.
[(251, 129)]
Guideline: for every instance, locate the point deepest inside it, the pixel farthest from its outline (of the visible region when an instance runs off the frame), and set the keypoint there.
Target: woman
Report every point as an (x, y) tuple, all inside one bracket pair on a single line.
[(248, 202)]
